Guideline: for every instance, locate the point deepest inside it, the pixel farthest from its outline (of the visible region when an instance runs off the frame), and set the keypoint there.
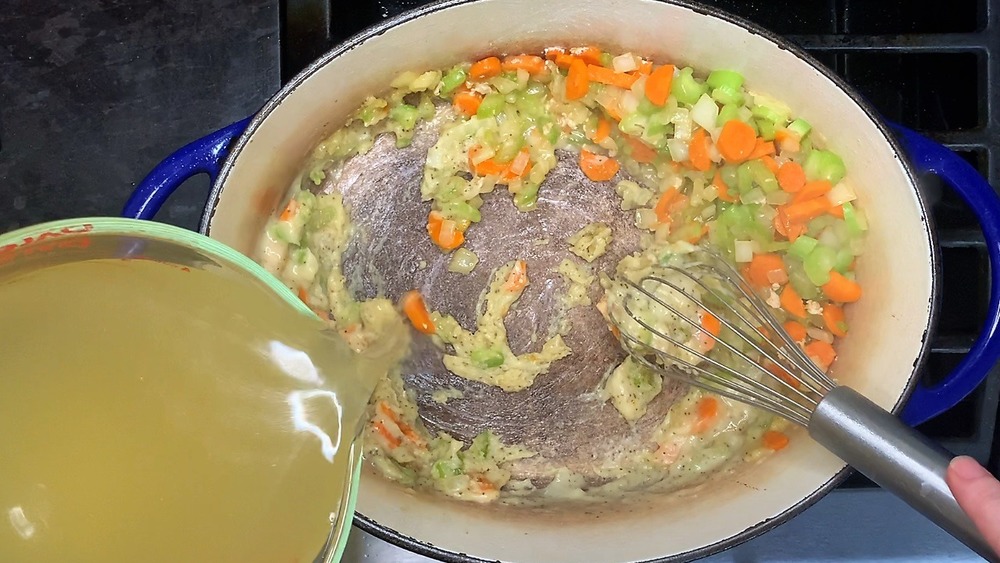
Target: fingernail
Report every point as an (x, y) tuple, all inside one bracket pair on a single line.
[(964, 467)]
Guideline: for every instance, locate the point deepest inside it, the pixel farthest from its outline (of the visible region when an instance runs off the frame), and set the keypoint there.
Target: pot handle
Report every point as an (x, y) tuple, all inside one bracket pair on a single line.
[(928, 156), (203, 156)]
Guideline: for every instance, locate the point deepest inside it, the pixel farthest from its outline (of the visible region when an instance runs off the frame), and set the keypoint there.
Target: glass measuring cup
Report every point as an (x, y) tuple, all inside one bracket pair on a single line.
[(273, 438)]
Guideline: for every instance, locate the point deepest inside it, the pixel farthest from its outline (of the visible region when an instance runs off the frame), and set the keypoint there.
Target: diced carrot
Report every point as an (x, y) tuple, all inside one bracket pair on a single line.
[(833, 318), (589, 54), (577, 80), (786, 228), (707, 411), (841, 289), (533, 64), (791, 302), (812, 190), (711, 325), (405, 428), (608, 76), (519, 167), (771, 164), (444, 232), (303, 294), (803, 211), (796, 330), (698, 151), (791, 177), (290, 210), (645, 67), (761, 148), (786, 141), (485, 68), (722, 188), (663, 205), (484, 484), (517, 279), (821, 353), (489, 167), (598, 167), (416, 311), (736, 141), (774, 440), (781, 373), (393, 441), (603, 130), (563, 60), (759, 271), (641, 152), (658, 84), (837, 211), (552, 52), (467, 102)]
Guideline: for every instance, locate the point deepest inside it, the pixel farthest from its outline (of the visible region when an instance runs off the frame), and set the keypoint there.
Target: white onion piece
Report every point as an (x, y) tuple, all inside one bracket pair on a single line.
[(841, 194), (743, 251)]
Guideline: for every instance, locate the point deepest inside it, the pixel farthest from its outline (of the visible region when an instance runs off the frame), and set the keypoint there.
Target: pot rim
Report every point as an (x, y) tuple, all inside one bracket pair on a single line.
[(394, 537)]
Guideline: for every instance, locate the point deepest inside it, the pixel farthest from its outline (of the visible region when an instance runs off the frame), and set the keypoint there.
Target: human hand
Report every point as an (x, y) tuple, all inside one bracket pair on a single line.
[(978, 493)]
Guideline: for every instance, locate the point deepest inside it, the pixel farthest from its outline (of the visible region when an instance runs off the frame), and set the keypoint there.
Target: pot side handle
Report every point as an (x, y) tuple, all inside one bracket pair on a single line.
[(928, 156), (203, 156)]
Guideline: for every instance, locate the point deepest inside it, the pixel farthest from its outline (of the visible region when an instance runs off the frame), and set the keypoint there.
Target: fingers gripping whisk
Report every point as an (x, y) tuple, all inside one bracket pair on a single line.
[(701, 323)]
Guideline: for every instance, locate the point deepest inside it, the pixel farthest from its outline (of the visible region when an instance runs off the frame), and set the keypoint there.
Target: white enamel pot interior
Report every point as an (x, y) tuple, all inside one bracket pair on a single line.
[(878, 358)]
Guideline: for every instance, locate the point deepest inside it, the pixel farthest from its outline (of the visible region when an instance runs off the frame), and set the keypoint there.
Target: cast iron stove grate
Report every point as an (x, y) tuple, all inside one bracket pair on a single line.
[(934, 70)]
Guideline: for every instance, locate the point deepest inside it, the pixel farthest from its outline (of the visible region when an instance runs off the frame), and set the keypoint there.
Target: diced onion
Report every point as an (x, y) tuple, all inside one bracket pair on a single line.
[(629, 102), (777, 276), (705, 112), (678, 149), (624, 63), (645, 218), (820, 334), (743, 251), (841, 194)]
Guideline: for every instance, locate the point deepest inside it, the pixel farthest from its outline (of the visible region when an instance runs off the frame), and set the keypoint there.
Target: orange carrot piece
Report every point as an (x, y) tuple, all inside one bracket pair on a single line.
[(663, 205), (603, 130), (645, 67), (290, 210), (641, 152), (791, 177), (577, 80), (711, 325), (774, 440), (405, 428), (841, 289), (489, 167), (833, 318), (791, 302), (563, 60), (837, 211), (658, 84), (416, 311), (393, 441), (803, 211), (812, 190), (552, 53), (707, 410), (589, 54), (796, 330), (436, 227), (787, 228), (519, 167), (761, 265), (771, 164), (303, 295), (598, 167), (722, 188), (698, 151), (467, 102), (517, 279), (821, 353), (736, 141), (485, 68), (761, 148), (608, 76), (533, 64)]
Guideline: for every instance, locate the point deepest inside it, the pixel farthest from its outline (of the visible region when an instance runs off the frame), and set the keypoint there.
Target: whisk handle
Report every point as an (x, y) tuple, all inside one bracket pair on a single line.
[(896, 457)]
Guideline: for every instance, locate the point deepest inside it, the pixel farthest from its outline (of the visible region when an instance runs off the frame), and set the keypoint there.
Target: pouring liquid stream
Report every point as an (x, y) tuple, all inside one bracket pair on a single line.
[(160, 412)]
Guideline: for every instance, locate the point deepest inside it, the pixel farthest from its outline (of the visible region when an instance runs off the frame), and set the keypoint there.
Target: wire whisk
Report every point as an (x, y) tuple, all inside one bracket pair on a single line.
[(700, 322)]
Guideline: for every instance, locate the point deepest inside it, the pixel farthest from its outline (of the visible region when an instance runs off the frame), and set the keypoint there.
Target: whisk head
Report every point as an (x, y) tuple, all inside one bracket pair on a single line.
[(699, 321)]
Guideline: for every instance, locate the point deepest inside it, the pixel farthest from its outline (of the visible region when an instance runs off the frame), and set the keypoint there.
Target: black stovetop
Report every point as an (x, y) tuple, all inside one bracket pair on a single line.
[(935, 71)]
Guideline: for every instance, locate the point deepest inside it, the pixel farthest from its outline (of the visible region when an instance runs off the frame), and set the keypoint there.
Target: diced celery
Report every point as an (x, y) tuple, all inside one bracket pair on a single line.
[(463, 261), (800, 127), (526, 199), (727, 78), (768, 113), (744, 177), (446, 468), (607, 59), (819, 263), (457, 210), (726, 95), (754, 195), (802, 247), (800, 282), (762, 176), (633, 123), (647, 107), (728, 173), (843, 260), (453, 80), (856, 224), (405, 115), (728, 113), (491, 105), (487, 357), (686, 88), (824, 165), (766, 129)]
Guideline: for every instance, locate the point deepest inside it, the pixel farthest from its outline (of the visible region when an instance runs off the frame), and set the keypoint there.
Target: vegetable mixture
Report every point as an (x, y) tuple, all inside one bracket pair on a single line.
[(697, 158)]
